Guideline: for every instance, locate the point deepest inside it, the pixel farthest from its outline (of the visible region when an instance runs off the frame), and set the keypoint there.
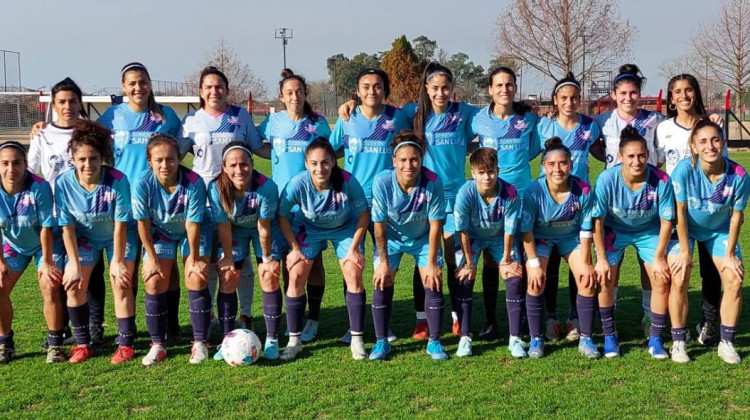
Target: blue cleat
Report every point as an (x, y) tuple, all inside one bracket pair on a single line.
[(517, 347), (310, 331), (611, 347), (587, 348), (381, 350), (436, 350), (536, 347), (464, 347), (218, 355), (656, 348), (271, 349)]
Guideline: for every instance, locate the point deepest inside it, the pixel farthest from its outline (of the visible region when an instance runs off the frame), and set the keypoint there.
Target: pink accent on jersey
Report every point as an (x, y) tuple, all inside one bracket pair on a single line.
[(511, 191), (737, 169), (663, 177), (8, 251), (431, 176), (583, 185), (117, 175), (261, 179), (191, 177), (346, 175)]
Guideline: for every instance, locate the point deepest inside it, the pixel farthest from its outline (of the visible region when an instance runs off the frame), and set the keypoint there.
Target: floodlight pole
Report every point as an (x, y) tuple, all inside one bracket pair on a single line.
[(285, 34)]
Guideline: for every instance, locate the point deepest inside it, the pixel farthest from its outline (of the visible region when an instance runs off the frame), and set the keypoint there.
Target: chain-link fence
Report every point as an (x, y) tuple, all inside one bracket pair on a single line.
[(18, 112)]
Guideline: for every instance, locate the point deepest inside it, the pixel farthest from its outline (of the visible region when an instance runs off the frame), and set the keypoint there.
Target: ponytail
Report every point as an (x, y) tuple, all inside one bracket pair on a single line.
[(424, 106)]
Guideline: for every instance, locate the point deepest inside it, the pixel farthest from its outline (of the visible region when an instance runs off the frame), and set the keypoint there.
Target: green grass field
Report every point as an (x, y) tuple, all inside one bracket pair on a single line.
[(325, 383)]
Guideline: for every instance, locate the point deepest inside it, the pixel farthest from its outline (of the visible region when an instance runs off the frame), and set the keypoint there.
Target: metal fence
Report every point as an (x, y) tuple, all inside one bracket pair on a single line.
[(18, 112)]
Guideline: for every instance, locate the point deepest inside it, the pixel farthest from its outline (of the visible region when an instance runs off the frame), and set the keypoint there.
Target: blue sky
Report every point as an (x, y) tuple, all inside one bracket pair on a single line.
[(91, 40)]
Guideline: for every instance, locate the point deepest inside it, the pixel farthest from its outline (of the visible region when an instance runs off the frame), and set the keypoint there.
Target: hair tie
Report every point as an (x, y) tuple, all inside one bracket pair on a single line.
[(561, 150), (623, 76)]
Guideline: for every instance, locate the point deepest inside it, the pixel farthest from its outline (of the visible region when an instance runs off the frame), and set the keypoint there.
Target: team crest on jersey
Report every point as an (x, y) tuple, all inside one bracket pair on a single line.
[(694, 202), (676, 187), (355, 145), (520, 125), (279, 145), (311, 129), (586, 135), (389, 125), (233, 120), (121, 138), (56, 163), (202, 138), (650, 122), (728, 191), (490, 142)]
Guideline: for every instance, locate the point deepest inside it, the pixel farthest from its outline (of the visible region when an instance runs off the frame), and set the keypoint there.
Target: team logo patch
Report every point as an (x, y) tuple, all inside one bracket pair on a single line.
[(355, 145), (388, 125), (121, 138), (233, 120), (520, 125), (279, 145), (490, 142), (311, 129)]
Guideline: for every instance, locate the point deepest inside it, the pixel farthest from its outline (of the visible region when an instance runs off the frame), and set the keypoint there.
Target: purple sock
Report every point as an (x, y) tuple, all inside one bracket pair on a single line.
[(586, 308), (450, 279), (535, 314), (127, 331), (465, 299), (200, 313), (156, 316), (295, 313), (315, 300), (355, 305), (79, 319), (679, 334), (727, 333), (7, 340), (227, 310), (433, 308), (272, 313), (608, 320), (658, 324), (382, 300), (55, 338), (514, 301), (173, 311)]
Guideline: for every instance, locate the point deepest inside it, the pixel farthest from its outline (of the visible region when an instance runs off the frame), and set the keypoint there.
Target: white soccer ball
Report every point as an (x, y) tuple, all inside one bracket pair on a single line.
[(241, 347)]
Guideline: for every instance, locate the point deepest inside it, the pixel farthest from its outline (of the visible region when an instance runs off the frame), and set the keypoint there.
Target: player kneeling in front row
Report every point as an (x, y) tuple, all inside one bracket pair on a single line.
[(557, 214), (332, 205), (408, 209), (27, 227)]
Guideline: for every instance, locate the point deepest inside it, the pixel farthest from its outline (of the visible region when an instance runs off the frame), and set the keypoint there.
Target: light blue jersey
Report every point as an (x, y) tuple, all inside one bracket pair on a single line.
[(633, 212), (288, 140), (447, 135), (487, 221), (169, 212), (93, 213), (578, 140), (131, 131), (516, 141), (407, 216), (23, 215), (549, 220), (206, 135), (710, 206), (367, 143)]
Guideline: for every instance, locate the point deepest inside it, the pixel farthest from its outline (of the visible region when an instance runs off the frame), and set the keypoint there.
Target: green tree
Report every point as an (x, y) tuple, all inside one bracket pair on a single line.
[(467, 77), (425, 48), (343, 71), (404, 69)]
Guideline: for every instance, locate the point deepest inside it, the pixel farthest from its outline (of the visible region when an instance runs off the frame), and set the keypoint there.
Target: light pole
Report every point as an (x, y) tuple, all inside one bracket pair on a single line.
[(284, 34), (583, 76)]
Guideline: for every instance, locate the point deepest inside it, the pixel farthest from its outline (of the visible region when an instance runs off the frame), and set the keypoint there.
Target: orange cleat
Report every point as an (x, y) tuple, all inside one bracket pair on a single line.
[(456, 328), (80, 354), (123, 354), (420, 330)]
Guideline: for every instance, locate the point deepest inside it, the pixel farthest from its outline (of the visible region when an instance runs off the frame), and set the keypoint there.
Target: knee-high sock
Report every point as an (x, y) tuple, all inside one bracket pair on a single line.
[(608, 319), (514, 301), (433, 307), (382, 301), (272, 313), (315, 300), (127, 331), (490, 288), (535, 313), (96, 294), (585, 308), (156, 316), (227, 310), (200, 313), (418, 290), (465, 298), (572, 295), (79, 318), (355, 306), (295, 313)]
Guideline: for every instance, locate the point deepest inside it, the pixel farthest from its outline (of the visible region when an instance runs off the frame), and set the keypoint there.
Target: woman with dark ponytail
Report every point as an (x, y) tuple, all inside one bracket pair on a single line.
[(289, 132), (634, 206), (332, 206)]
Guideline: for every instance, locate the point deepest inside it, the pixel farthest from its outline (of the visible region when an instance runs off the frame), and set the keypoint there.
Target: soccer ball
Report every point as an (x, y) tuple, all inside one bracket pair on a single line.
[(241, 347)]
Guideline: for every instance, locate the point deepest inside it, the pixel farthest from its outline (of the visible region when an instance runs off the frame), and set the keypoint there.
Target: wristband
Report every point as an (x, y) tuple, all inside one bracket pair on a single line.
[(267, 259), (586, 234), (534, 263)]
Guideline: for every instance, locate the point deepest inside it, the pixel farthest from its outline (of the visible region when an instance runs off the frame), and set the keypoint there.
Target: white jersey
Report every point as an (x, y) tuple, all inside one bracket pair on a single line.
[(673, 142), (645, 122), (48, 152)]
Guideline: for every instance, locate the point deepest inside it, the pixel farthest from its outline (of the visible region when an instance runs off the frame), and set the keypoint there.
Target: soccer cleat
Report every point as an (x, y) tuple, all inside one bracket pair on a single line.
[(291, 351), (420, 330), (489, 332), (464, 347), (656, 348), (727, 353), (707, 333), (679, 352), (6, 353), (97, 335), (122, 354), (56, 354), (536, 347), (381, 349), (587, 348), (646, 326), (218, 355), (436, 350), (456, 328), (156, 354), (245, 322), (80, 354), (357, 347), (198, 353), (517, 347), (573, 329), (391, 336), (271, 349), (553, 330), (346, 338), (310, 331), (611, 346)]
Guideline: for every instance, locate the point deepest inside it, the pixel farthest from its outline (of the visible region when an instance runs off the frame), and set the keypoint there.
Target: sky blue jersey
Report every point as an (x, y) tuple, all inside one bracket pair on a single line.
[(710, 206), (407, 216), (487, 221), (260, 201), (578, 140), (288, 140), (320, 211), (516, 141), (169, 212), (447, 135), (633, 212), (131, 131), (550, 220), (367, 143), (93, 213), (23, 215)]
